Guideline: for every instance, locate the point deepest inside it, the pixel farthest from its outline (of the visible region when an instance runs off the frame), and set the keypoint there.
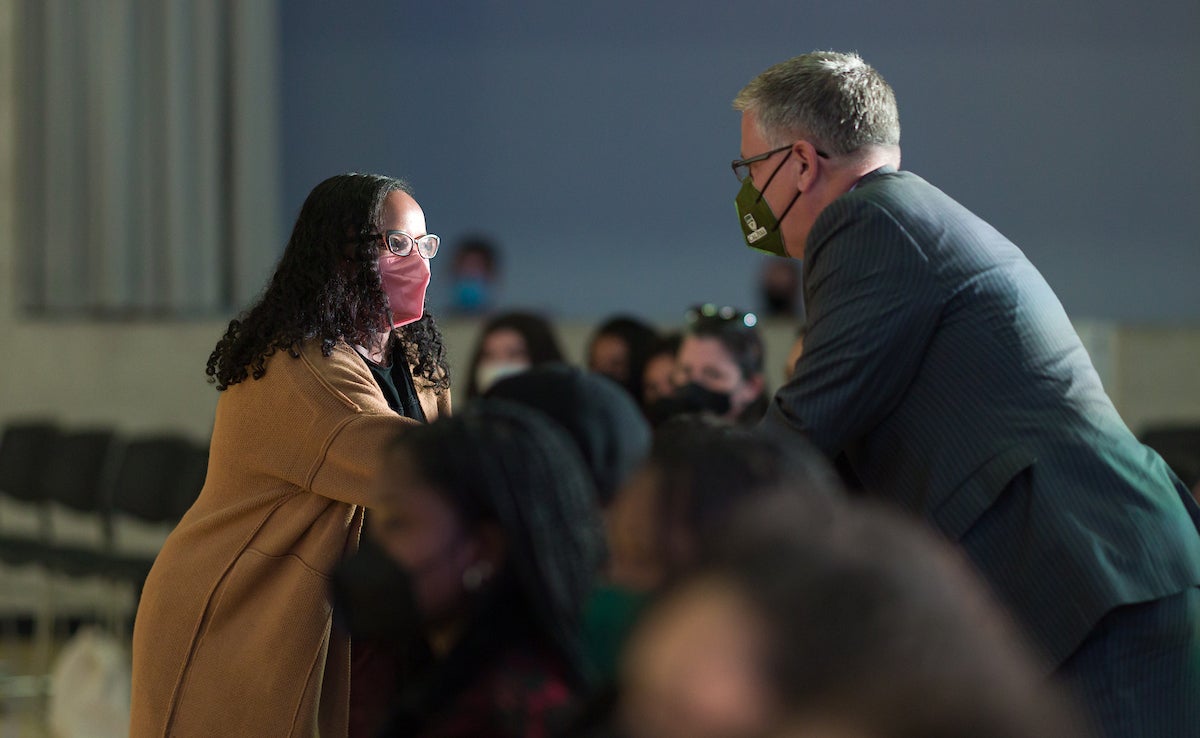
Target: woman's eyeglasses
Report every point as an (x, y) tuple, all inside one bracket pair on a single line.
[(401, 244), (708, 312)]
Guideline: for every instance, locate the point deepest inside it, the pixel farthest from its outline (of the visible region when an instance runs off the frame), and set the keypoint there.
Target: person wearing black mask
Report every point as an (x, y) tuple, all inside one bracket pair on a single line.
[(718, 369)]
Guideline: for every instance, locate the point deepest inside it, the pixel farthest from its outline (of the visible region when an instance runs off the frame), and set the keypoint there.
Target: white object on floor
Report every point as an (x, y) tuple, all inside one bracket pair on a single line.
[(89, 687)]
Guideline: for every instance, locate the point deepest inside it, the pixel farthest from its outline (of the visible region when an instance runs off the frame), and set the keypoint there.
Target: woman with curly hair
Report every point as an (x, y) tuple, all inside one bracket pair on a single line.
[(233, 632)]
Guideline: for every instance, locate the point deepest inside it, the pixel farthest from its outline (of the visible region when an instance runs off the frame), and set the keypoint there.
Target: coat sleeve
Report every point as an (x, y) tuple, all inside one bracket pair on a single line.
[(347, 424), (873, 303)]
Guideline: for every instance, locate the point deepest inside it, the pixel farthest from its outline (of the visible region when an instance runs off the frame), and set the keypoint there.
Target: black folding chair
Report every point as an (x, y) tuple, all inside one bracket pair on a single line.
[(26, 451), (145, 496)]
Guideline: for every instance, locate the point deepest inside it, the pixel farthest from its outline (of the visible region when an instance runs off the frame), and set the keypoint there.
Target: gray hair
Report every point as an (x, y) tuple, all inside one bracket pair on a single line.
[(836, 100)]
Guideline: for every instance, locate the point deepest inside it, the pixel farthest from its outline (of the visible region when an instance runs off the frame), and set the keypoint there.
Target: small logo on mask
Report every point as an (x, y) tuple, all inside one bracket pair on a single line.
[(753, 233)]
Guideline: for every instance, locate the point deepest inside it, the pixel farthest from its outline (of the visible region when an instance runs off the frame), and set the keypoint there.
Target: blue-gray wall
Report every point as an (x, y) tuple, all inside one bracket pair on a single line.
[(593, 139)]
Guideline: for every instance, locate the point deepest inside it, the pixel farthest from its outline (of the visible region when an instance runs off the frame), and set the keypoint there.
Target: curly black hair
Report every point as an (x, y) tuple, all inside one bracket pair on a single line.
[(327, 287)]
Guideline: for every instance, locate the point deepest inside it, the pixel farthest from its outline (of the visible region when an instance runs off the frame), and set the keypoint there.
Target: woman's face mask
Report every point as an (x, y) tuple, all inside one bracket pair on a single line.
[(373, 598), (690, 398), (405, 280), (489, 373)]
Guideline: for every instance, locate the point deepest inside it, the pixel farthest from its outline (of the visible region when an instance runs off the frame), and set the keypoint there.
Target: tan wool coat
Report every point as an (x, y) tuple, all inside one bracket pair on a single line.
[(233, 635)]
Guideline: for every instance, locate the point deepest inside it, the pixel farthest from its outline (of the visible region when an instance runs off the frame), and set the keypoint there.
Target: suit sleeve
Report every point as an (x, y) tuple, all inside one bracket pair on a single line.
[(873, 302)]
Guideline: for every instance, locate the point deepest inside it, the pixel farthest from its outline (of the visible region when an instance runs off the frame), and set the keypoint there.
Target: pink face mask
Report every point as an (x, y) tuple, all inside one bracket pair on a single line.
[(405, 279)]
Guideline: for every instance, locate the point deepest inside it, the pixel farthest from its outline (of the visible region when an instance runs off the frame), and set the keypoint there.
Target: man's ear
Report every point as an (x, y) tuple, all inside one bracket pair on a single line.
[(808, 164)]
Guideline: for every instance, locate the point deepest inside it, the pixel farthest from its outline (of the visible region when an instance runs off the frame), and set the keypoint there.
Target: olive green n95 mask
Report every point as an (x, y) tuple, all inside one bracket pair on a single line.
[(759, 224)]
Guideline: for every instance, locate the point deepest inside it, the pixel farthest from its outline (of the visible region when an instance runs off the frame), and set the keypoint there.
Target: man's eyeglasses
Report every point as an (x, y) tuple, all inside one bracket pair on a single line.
[(741, 167), (401, 244), (710, 313)]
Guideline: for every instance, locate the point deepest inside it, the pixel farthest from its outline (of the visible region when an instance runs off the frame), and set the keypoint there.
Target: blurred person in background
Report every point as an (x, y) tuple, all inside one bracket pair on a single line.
[(508, 344), (794, 353), (613, 439), (699, 470), (491, 518), (619, 349), (474, 275), (658, 374), (857, 624), (779, 287), (718, 368), (604, 421), (233, 629), (678, 503)]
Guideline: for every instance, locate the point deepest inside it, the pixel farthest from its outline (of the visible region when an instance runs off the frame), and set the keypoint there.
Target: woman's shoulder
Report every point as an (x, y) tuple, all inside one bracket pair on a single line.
[(342, 373), (310, 357)]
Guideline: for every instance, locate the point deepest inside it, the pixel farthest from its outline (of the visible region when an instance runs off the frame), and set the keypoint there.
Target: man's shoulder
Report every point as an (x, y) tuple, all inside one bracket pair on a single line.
[(891, 186), (873, 214), (889, 204)]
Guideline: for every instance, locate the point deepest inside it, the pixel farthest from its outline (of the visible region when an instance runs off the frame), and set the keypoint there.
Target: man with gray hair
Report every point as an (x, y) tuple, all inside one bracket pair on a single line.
[(941, 370)]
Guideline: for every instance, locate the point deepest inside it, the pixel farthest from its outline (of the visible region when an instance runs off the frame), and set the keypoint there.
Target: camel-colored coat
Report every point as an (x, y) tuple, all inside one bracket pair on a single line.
[(233, 634)]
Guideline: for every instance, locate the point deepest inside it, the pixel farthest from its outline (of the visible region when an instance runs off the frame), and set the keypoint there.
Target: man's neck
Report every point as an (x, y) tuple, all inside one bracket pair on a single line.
[(872, 158), (861, 163)]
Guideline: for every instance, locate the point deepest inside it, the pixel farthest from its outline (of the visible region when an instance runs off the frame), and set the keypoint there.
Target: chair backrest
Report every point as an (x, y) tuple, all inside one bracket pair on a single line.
[(75, 486), (191, 480), (25, 450), (148, 476), (83, 460)]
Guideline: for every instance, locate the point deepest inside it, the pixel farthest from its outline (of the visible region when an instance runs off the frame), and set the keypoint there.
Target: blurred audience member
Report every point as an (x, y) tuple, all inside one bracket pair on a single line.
[(718, 369), (619, 350), (657, 375), (789, 367), (474, 275), (491, 517), (509, 344), (779, 286), (855, 626), (603, 420), (699, 470), (678, 503)]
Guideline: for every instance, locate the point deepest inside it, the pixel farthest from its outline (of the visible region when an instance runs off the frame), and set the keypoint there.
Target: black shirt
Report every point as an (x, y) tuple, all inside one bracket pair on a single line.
[(396, 383)]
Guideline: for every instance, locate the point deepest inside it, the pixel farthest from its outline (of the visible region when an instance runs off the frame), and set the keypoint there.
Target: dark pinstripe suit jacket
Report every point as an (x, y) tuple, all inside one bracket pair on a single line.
[(940, 363)]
